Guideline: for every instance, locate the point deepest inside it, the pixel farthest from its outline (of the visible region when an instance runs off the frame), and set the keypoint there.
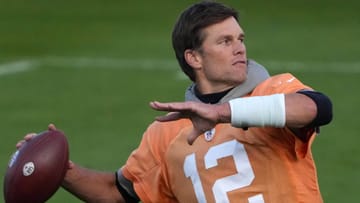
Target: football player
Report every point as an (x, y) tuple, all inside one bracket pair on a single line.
[(241, 135)]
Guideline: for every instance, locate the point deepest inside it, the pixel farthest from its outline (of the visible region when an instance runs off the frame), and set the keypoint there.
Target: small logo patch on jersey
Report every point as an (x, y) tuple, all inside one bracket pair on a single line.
[(209, 135)]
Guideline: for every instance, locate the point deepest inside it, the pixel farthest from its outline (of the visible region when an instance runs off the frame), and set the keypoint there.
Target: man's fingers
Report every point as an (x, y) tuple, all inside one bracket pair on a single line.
[(172, 116), (29, 136), (172, 106), (20, 143), (51, 127), (157, 106), (71, 165), (26, 138)]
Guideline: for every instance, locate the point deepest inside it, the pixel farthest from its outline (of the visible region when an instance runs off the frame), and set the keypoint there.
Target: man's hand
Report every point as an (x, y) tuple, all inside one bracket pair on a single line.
[(29, 136), (203, 116)]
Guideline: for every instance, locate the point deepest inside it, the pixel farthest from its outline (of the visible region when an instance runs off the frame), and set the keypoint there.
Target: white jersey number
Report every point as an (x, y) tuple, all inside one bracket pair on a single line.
[(242, 178)]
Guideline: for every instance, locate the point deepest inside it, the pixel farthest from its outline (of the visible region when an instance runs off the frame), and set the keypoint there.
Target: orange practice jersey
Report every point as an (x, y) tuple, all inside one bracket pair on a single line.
[(226, 164)]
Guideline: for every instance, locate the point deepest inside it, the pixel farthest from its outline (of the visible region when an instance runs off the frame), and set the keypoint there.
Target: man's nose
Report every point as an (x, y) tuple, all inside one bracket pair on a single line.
[(239, 47)]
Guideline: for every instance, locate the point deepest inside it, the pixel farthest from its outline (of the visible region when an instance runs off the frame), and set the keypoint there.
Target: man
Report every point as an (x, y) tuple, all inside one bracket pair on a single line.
[(241, 136)]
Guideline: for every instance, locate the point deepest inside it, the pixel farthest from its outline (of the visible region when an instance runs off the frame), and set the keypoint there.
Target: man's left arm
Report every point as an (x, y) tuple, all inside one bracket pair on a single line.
[(306, 111)]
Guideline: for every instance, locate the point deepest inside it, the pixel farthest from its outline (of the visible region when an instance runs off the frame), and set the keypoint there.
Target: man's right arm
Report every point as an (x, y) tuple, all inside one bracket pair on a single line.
[(92, 186), (86, 184)]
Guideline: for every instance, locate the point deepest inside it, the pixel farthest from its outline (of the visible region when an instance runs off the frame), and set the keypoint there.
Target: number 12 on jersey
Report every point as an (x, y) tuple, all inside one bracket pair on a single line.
[(242, 178)]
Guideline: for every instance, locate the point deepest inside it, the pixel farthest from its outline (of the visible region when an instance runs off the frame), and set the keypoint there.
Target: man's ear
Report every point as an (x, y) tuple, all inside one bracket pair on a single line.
[(193, 58)]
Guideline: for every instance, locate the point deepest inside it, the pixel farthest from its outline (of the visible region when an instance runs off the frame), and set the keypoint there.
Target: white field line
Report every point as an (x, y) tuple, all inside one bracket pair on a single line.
[(16, 67), (118, 63), (19, 66), (316, 67)]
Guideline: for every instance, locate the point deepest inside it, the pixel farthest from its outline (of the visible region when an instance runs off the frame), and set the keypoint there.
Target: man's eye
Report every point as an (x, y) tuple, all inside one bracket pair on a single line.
[(226, 41), (242, 38)]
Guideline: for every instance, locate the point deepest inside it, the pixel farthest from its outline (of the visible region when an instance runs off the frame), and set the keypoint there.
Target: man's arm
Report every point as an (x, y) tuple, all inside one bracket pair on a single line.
[(88, 185), (322, 113), (300, 110), (294, 110), (92, 186)]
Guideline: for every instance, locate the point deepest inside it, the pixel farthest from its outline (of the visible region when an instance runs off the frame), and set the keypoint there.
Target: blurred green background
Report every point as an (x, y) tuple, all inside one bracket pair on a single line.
[(91, 67)]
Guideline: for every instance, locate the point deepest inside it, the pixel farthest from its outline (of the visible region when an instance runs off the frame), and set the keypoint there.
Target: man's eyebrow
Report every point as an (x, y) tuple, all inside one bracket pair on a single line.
[(230, 35), (227, 36)]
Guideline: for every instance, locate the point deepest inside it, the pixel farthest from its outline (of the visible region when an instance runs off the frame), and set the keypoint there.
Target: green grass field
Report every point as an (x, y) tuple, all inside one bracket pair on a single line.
[(91, 67)]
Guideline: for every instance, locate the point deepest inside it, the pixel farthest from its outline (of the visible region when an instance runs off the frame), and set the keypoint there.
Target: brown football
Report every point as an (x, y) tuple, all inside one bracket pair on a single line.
[(36, 170)]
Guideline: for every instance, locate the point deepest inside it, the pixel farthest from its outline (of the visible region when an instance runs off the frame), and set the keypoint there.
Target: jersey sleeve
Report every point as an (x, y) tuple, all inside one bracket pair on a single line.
[(146, 167), (282, 83), (287, 83)]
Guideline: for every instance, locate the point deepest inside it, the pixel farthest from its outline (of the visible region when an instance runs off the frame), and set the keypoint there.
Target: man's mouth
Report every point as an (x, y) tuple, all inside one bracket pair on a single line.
[(239, 62)]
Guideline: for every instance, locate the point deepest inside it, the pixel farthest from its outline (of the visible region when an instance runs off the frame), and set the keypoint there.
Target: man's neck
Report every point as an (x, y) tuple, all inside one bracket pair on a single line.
[(211, 98)]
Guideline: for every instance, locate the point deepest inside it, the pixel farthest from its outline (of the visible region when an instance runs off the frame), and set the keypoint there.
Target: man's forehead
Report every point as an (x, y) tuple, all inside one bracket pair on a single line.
[(229, 26)]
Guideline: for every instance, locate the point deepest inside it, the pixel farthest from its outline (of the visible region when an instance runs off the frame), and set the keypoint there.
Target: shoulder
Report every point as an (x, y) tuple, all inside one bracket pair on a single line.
[(159, 135), (165, 130), (281, 83), (146, 164), (153, 146)]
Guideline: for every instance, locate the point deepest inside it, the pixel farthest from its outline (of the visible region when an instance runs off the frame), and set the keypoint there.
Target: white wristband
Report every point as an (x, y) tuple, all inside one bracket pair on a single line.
[(258, 111)]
